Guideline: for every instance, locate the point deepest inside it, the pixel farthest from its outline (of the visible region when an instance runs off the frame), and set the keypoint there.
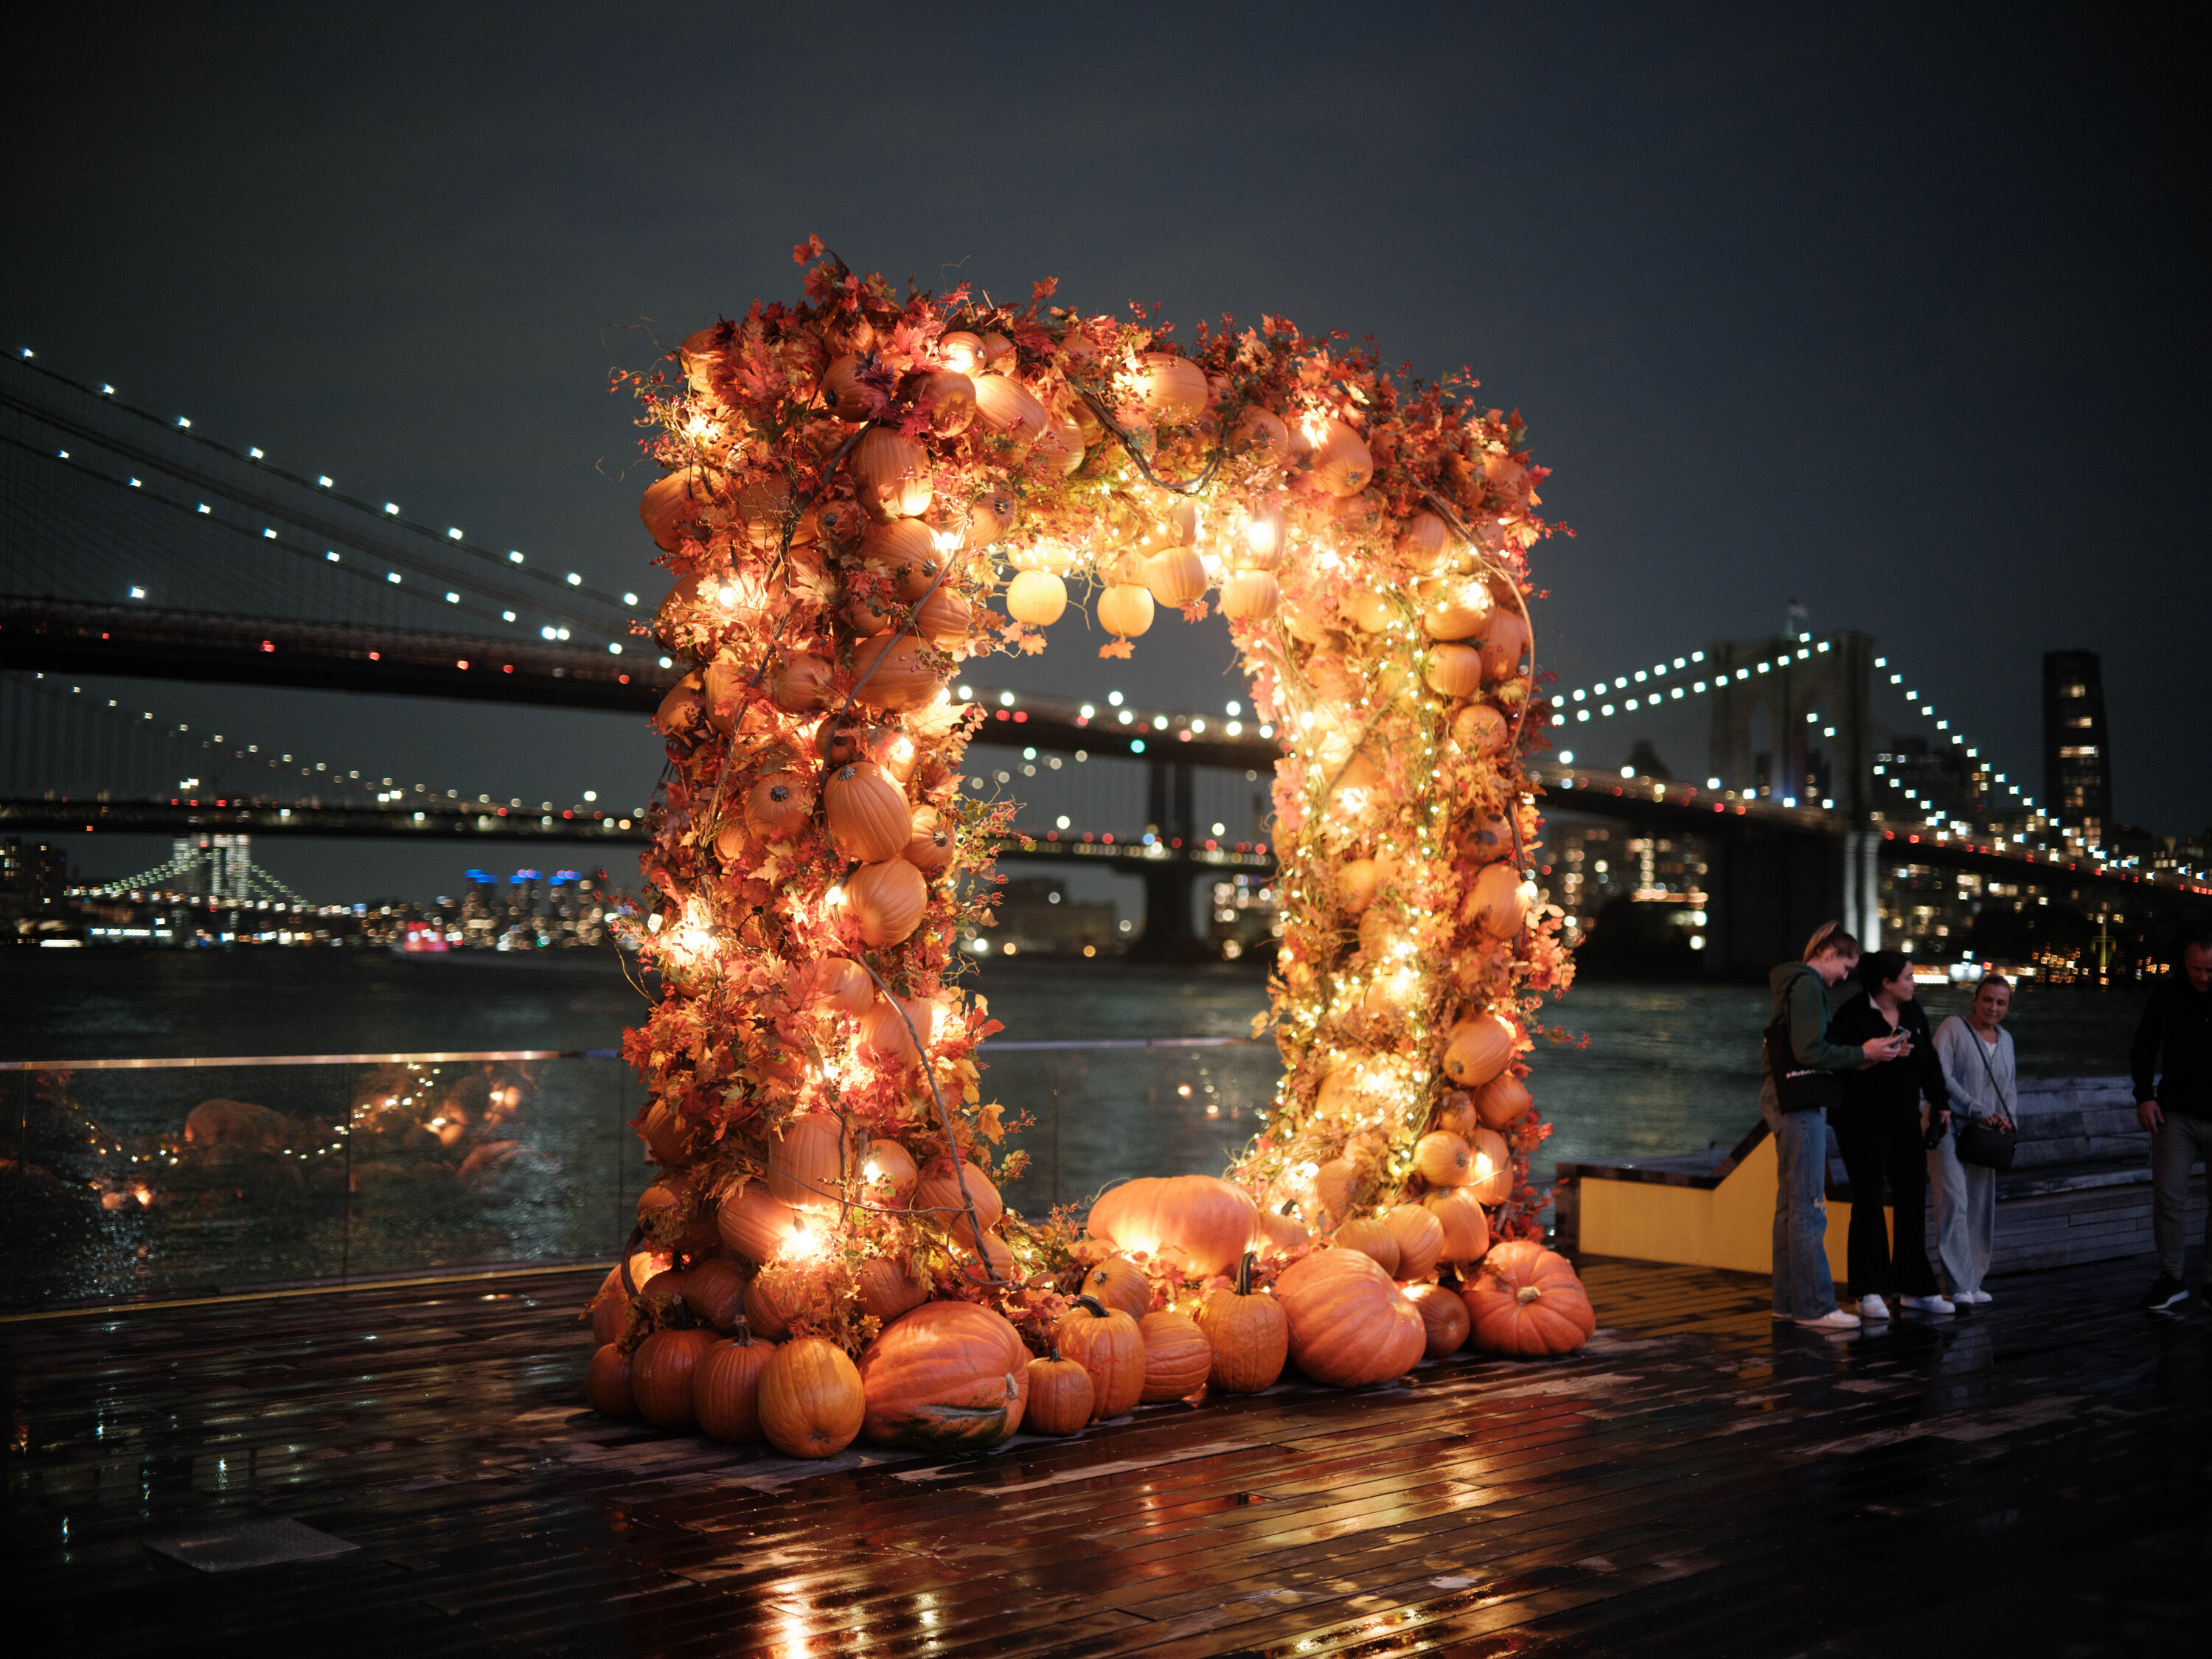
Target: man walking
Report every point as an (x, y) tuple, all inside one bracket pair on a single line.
[(2173, 1064)]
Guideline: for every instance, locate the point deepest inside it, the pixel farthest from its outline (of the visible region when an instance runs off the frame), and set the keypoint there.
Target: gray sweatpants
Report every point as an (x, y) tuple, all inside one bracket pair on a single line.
[(2181, 1140), (1965, 1216)]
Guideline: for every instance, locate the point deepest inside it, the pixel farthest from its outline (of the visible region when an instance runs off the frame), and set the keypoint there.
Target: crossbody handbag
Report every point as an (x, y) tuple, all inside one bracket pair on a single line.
[(1798, 1088), (1983, 1144)]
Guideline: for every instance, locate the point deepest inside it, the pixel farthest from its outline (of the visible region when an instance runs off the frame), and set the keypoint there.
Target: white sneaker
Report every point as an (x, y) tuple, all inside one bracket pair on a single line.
[(1929, 1303), (1873, 1306), (1834, 1320), (1977, 1297)]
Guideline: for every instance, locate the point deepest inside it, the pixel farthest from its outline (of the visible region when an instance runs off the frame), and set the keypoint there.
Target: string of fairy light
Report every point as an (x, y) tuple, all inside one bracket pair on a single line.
[(1649, 689)]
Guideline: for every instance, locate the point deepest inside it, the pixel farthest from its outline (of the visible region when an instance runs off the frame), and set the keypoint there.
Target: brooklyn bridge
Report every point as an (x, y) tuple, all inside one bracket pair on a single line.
[(1826, 765)]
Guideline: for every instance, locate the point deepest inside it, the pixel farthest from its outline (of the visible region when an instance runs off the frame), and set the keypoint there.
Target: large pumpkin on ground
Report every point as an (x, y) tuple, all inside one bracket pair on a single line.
[(1443, 1317), (1106, 1342), (1248, 1334), (1177, 1356), (1350, 1326), (1528, 1301), (948, 1377), (661, 1373), (810, 1400), (1198, 1222), (606, 1384), (726, 1387)]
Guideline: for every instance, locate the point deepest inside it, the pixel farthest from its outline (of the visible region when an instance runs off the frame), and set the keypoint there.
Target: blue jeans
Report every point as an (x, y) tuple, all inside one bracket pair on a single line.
[(1802, 1288)]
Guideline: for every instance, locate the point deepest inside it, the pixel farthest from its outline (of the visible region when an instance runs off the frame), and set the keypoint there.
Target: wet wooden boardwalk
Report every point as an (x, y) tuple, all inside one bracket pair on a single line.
[(2035, 1477)]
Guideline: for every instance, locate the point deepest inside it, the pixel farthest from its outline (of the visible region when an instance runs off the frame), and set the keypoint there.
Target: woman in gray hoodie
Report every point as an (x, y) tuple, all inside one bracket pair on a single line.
[(1804, 1290)]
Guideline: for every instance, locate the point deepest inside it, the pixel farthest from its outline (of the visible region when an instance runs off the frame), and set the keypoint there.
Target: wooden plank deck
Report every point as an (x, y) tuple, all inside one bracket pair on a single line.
[(2034, 1474)]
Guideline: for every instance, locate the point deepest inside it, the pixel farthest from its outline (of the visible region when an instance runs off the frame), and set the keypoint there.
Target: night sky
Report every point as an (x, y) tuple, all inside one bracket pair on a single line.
[(1899, 314)]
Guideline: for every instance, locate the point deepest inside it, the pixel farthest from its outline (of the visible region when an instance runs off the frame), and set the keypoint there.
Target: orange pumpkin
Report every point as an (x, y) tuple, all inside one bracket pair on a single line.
[(1466, 1229), (753, 1223), (1443, 1159), (670, 503), (1481, 730), (667, 1135), (810, 1163), (948, 397), (1454, 670), (1456, 612), (962, 352), (834, 984), (1350, 1326), (867, 814), (660, 1370), (1420, 1238), (1036, 597), (1170, 388), (893, 673), (887, 900), (1493, 1166), (992, 1265), (939, 1191), (609, 1309), (1261, 434), (989, 517), (1004, 406), (1125, 610), (797, 683), (1476, 1050), (810, 1400), (1248, 1333), (1059, 1396), (1177, 1356), (1198, 1222), (905, 550), (1528, 1301), (1250, 596), (930, 845), (1504, 1101), (889, 1028), (891, 473), (1443, 1318), (848, 398), (1105, 1342), (1121, 1283), (944, 619), (778, 806), (1273, 1231), (771, 1299), (888, 1171), (1423, 541), (948, 1377), (1340, 459), (1504, 642), (1175, 577), (1372, 1239), (887, 1289), (715, 1291), (1493, 903), (726, 1388), (607, 1383)]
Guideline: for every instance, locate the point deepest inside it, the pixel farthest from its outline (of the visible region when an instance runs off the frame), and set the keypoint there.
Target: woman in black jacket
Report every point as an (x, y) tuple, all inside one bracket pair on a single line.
[(1880, 1133)]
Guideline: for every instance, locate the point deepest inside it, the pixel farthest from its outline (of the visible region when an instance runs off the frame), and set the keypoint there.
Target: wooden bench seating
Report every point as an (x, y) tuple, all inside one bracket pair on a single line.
[(2078, 1191)]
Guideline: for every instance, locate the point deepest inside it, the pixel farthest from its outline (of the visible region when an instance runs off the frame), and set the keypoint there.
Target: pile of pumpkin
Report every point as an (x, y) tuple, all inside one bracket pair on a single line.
[(694, 1349)]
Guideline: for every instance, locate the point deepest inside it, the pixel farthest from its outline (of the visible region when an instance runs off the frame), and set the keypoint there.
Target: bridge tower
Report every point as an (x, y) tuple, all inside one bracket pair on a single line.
[(1171, 815), (1791, 723)]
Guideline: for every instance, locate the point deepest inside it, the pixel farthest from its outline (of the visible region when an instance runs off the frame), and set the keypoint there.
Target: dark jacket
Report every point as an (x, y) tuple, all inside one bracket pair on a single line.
[(1797, 990), (2177, 1022), (1894, 1085)]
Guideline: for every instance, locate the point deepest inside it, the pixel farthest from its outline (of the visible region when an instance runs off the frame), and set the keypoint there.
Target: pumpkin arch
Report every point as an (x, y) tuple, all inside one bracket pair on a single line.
[(914, 481)]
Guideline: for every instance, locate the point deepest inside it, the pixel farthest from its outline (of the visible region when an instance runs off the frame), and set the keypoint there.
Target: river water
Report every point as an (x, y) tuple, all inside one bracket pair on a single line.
[(455, 1163)]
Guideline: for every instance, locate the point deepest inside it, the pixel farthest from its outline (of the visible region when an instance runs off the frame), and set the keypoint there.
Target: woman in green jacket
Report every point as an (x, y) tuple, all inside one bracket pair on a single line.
[(1803, 1291)]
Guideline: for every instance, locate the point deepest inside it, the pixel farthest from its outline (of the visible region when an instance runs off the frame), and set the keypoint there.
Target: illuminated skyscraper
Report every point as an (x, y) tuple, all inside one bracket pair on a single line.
[(2077, 752)]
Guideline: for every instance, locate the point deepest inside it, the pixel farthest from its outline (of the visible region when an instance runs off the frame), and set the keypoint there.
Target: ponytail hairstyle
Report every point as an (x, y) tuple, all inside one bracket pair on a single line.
[(1831, 936)]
